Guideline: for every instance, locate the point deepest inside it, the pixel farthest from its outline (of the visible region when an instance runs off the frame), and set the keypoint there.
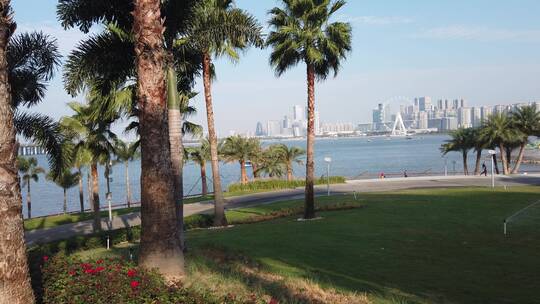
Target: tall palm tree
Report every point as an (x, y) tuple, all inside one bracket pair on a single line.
[(125, 153), (497, 130), (65, 180), (201, 155), (290, 155), (302, 32), (527, 121), (479, 145), (29, 169), (82, 158), (218, 28), (240, 149), (15, 286), (462, 141), (160, 237), (92, 135)]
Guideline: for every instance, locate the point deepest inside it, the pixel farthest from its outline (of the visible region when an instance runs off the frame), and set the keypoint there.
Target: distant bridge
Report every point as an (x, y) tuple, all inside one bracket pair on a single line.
[(31, 149)]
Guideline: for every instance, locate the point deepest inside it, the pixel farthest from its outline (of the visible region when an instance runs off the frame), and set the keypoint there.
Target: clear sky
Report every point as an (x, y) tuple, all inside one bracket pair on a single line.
[(486, 51)]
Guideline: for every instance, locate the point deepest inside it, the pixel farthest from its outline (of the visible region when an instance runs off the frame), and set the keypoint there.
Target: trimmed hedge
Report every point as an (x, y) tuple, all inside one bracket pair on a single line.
[(278, 184)]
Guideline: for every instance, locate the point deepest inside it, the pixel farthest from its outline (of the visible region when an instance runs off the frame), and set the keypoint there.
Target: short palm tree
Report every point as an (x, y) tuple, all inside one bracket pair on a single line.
[(65, 180), (94, 136), (240, 149), (30, 171), (527, 121), (497, 131), (479, 145), (301, 31), (82, 158), (462, 141), (126, 152), (289, 156), (218, 28), (201, 155), (272, 164)]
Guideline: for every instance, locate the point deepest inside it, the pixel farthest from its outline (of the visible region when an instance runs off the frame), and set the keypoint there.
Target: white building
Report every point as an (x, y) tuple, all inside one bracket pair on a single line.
[(464, 117), (273, 128)]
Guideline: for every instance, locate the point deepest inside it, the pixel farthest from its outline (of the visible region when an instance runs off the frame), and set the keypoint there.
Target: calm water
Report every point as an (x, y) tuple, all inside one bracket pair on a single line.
[(351, 157)]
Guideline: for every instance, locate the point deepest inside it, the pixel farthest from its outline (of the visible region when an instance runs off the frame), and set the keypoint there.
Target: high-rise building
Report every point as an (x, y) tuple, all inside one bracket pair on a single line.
[(259, 131), (462, 103), (380, 115), (273, 128), (424, 103), (455, 104), (464, 117), (440, 104), (299, 113), (423, 120), (449, 123), (487, 111), (476, 117)]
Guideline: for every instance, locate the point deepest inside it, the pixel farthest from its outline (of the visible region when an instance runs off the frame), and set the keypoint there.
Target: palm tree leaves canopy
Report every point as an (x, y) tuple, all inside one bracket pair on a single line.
[(66, 179), (29, 169), (302, 32), (462, 140)]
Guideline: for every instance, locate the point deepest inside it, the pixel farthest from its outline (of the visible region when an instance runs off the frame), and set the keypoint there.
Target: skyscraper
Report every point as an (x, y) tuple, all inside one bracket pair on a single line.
[(380, 116), (424, 103), (260, 130), (298, 113), (273, 128), (464, 117)]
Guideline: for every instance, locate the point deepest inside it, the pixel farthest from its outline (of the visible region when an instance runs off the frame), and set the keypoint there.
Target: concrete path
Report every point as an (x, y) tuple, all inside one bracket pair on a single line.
[(376, 185)]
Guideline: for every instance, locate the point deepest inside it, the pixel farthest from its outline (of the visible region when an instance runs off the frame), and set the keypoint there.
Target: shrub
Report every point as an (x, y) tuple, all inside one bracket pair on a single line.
[(278, 184), (69, 280)]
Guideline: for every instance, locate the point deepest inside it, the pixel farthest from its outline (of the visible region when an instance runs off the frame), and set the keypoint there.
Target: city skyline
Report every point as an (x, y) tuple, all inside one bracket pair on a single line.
[(491, 58)]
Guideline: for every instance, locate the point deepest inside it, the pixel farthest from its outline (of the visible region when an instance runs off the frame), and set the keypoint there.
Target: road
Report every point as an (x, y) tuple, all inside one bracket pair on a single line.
[(358, 186)]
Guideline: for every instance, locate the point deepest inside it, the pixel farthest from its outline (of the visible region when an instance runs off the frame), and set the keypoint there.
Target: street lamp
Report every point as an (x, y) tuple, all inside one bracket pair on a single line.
[(328, 160), (492, 153), (445, 166)]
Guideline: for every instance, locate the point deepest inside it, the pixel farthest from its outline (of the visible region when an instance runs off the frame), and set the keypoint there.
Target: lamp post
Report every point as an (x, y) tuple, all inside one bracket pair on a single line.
[(454, 166), (445, 166), (492, 153), (328, 160)]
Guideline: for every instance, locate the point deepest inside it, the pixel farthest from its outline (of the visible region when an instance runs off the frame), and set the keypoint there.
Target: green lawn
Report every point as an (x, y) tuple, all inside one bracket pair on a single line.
[(428, 246)]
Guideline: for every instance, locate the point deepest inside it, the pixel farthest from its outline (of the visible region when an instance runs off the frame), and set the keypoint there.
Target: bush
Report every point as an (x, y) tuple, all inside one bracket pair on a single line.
[(69, 280), (278, 184)]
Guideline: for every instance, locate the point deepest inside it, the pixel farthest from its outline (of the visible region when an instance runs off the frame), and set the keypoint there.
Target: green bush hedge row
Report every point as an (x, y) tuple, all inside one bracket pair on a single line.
[(277, 184)]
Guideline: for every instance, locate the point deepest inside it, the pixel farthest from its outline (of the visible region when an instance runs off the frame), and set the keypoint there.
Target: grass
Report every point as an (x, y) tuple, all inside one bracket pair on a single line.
[(414, 246), (279, 184)]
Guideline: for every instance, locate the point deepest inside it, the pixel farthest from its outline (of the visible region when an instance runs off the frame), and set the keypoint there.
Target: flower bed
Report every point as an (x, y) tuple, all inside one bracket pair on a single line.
[(69, 280)]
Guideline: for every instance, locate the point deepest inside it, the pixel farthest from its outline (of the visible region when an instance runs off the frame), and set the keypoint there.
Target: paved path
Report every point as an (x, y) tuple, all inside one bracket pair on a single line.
[(377, 185)]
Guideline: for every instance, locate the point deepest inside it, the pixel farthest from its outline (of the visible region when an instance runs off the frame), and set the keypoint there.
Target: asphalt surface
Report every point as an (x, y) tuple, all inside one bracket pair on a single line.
[(377, 185)]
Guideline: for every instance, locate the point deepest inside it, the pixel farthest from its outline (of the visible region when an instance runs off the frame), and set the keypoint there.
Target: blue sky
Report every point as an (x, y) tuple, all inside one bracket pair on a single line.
[(487, 52)]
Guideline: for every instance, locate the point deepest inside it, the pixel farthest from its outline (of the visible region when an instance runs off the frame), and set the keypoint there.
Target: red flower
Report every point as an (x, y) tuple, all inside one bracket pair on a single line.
[(131, 273), (273, 301), (134, 284), (99, 261), (99, 269), (72, 272), (45, 258), (89, 271), (86, 266)]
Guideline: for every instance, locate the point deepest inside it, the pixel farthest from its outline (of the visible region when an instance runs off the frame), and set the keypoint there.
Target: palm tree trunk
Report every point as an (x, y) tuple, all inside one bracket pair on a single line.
[(478, 160), (95, 197), (203, 180), (81, 191), (15, 279), (29, 200), (254, 169), (289, 172), (243, 173), (503, 159), (508, 159), (89, 187), (495, 164), (65, 201), (219, 201), (160, 246), (177, 148), (465, 165), (309, 211), (128, 188), (519, 160)]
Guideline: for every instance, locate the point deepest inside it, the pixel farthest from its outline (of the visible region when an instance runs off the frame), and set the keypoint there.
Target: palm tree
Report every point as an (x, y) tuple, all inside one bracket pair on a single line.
[(200, 155), (290, 155), (82, 158), (65, 180), (272, 164), (125, 153), (240, 149), (15, 287), (160, 237), (527, 121), (497, 130), (462, 141), (94, 136), (479, 145), (29, 169), (302, 32), (217, 28)]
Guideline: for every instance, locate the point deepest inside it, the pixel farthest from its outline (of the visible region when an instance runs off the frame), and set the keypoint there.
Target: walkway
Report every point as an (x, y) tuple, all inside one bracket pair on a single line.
[(377, 185)]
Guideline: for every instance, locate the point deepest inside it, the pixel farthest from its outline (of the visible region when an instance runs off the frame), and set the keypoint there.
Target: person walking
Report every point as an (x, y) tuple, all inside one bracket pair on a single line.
[(484, 170)]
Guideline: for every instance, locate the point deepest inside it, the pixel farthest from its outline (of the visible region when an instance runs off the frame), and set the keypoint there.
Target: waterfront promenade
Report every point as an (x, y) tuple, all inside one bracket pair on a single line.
[(353, 186)]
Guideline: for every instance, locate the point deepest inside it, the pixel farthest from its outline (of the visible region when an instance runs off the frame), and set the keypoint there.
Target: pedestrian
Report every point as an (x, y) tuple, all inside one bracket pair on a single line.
[(405, 174), (381, 176), (484, 170)]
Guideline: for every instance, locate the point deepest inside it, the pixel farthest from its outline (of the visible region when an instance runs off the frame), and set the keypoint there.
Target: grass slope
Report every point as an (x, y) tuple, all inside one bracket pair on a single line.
[(430, 246)]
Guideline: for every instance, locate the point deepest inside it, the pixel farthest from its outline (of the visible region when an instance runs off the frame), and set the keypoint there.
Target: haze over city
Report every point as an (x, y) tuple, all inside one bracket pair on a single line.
[(483, 51)]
